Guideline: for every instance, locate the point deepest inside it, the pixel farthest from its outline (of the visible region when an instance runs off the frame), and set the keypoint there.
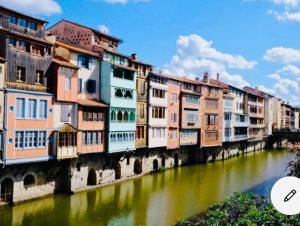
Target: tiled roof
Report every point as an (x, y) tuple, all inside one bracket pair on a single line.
[(64, 63), (16, 12), (254, 91), (75, 48), (91, 103)]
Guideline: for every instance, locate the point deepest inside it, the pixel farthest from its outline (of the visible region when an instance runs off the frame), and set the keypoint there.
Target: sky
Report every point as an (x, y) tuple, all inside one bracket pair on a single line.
[(248, 42)]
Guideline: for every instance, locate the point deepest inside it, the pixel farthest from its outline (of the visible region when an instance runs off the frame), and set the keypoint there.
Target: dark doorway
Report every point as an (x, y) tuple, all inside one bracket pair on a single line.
[(176, 160), (92, 178), (163, 160), (7, 190), (138, 167), (29, 180), (155, 165), (118, 171)]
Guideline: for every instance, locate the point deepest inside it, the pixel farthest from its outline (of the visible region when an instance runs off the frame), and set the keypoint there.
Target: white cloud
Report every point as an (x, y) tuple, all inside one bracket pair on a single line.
[(286, 16), (34, 7), (291, 3), (104, 29), (195, 55), (286, 88), (123, 1), (282, 55)]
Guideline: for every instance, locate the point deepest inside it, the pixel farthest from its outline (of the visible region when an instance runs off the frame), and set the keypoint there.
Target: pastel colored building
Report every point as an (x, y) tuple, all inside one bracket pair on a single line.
[(236, 120), (158, 111), (118, 90), (28, 111), (2, 76), (142, 71), (211, 108), (286, 115), (80, 127), (256, 111)]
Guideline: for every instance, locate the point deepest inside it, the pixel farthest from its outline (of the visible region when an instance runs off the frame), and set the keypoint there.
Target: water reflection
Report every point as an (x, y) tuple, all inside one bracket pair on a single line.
[(154, 199)]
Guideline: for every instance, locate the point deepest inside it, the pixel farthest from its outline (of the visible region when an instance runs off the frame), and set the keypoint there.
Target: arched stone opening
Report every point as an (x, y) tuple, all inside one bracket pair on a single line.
[(29, 180), (155, 165), (163, 160), (118, 172), (176, 160), (7, 190), (138, 168), (92, 178)]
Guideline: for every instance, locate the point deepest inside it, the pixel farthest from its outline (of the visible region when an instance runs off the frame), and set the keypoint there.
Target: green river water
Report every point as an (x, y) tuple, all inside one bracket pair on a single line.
[(158, 199)]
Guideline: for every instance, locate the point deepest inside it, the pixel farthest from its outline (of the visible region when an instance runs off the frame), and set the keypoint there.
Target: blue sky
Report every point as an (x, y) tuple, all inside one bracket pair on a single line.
[(253, 42)]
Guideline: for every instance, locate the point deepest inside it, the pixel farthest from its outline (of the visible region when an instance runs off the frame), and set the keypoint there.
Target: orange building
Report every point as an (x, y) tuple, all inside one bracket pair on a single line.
[(211, 109)]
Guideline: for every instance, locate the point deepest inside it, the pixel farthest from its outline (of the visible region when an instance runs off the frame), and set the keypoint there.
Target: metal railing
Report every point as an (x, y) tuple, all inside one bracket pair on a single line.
[(24, 30)]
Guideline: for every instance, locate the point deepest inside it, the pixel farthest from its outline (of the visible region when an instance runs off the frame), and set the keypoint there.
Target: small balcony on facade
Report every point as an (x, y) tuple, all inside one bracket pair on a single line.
[(241, 120), (190, 101), (189, 137), (122, 119), (22, 29), (123, 77), (190, 119), (158, 97), (158, 83), (123, 97), (121, 141)]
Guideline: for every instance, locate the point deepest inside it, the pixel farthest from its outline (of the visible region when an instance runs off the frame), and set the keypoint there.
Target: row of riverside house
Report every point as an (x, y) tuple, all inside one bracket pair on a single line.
[(75, 112)]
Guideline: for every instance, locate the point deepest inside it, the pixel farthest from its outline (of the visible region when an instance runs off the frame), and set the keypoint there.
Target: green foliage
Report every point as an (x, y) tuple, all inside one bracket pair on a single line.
[(242, 209)]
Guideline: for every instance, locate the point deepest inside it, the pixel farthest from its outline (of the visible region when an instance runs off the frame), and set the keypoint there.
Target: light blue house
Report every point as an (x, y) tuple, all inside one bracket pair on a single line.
[(118, 90)]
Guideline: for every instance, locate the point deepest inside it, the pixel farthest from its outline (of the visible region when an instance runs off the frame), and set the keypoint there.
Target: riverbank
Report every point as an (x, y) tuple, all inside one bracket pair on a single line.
[(241, 209), (179, 193)]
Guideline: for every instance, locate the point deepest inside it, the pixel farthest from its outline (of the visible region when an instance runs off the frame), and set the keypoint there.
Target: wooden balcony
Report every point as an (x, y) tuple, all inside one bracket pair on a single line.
[(23, 30), (25, 86)]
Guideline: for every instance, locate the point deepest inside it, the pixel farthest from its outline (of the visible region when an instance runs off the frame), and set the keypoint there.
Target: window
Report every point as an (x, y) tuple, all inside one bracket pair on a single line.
[(39, 78), (128, 75), (187, 86), (31, 111), (157, 93), (118, 73), (227, 132), (174, 97), (140, 132), (22, 45), (84, 61), (92, 115), (211, 120), (67, 83), (118, 93), (158, 132), (12, 42), (30, 139), (158, 112), (191, 116), (21, 74), (212, 104), (211, 135), (67, 139), (186, 133), (19, 139), (227, 117), (174, 117), (65, 113), (122, 137), (42, 139), (91, 86), (192, 99), (22, 23), (32, 26), (80, 85), (123, 115), (43, 106), (12, 19), (20, 108), (173, 134)]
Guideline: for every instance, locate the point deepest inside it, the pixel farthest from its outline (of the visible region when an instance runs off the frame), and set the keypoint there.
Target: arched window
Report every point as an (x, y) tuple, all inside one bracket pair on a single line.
[(113, 116), (120, 116), (128, 75), (126, 116), (132, 116), (128, 94), (118, 73), (29, 180), (118, 93)]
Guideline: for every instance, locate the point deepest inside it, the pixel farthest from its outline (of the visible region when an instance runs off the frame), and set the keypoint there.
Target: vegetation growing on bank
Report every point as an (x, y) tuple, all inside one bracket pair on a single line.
[(241, 209), (294, 166)]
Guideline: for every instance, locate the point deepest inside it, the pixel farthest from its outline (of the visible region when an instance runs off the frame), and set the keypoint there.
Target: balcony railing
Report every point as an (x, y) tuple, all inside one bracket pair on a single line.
[(241, 137), (25, 86), (13, 27)]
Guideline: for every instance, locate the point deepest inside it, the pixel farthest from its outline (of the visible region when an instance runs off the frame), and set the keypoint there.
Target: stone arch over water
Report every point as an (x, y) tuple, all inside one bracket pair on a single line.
[(92, 178), (155, 165), (138, 168), (7, 190)]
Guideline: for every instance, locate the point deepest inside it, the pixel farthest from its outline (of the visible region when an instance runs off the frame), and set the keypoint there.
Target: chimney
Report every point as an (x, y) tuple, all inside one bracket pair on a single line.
[(218, 77), (205, 77), (133, 57), (197, 78)]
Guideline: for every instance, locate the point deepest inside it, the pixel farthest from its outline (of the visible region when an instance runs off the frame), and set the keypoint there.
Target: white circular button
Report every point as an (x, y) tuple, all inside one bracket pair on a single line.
[(285, 195)]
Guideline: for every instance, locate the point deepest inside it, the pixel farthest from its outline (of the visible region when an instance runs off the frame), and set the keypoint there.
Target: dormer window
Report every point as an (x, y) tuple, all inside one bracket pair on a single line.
[(21, 74)]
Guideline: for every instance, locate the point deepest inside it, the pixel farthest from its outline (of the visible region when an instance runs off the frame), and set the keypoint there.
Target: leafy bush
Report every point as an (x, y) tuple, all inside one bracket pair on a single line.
[(242, 209)]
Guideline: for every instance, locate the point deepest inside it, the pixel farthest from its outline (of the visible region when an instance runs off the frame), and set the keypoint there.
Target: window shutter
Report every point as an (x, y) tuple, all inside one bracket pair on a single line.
[(80, 85), (90, 62), (91, 86), (64, 113)]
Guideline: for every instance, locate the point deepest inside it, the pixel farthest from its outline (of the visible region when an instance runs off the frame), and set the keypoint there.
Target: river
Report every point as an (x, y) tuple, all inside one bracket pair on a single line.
[(154, 200)]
